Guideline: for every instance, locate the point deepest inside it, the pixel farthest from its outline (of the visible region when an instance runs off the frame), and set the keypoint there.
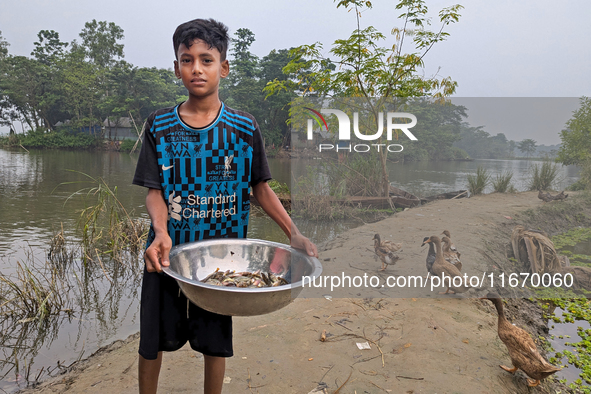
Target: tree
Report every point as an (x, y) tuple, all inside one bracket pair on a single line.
[(576, 138), (49, 47), (100, 42), (22, 86), (527, 146), (3, 47), (243, 89), (6, 114), (363, 68)]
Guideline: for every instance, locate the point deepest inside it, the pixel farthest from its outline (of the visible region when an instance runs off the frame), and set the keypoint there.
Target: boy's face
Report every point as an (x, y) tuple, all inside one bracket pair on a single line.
[(200, 68)]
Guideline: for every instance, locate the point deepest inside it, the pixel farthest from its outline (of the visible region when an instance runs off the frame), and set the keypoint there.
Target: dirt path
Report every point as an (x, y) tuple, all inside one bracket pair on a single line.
[(420, 342)]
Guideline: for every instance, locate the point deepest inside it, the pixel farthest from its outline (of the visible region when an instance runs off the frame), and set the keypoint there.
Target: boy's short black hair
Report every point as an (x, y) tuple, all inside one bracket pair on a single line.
[(212, 32)]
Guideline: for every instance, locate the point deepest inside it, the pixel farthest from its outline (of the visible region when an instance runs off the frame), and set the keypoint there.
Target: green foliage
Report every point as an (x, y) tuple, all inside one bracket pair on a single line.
[(100, 42), (278, 187), (80, 84), (542, 177), (437, 131), (584, 182), (573, 310), (128, 144), (60, 139), (366, 65), (576, 138), (502, 182), (357, 176), (243, 88), (106, 226), (477, 183), (481, 145)]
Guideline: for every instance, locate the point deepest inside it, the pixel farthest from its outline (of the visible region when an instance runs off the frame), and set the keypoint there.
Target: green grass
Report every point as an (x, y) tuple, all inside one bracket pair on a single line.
[(477, 183), (543, 176), (502, 182)]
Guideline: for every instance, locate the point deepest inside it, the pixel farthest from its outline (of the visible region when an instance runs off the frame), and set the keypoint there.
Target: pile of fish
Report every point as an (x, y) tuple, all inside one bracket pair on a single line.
[(244, 279)]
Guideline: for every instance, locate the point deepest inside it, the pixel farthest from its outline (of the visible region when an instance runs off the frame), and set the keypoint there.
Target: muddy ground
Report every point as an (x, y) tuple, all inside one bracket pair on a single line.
[(420, 342)]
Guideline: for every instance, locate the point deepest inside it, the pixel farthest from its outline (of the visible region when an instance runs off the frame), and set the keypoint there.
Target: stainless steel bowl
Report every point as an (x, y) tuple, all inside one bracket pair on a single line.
[(192, 262)]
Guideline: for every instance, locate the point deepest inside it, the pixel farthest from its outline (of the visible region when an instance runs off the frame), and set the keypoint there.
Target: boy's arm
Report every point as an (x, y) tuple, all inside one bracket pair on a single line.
[(273, 207), (156, 256)]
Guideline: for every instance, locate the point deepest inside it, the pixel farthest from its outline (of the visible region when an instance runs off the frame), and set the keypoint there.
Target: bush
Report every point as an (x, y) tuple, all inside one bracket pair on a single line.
[(502, 182), (477, 183), (127, 145), (542, 177)]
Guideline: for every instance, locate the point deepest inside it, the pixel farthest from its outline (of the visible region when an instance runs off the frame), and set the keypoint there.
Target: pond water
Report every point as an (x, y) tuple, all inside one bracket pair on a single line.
[(562, 333), (38, 196)]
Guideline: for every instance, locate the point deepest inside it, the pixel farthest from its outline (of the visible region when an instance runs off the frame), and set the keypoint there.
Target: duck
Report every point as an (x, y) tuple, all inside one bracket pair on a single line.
[(546, 197), (442, 267), (394, 247), (430, 255), (522, 349), (385, 251), (452, 247), (449, 255)]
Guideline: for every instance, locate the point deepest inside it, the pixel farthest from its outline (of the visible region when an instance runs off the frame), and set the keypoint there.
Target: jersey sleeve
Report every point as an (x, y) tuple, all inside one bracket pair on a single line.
[(260, 171), (147, 173)]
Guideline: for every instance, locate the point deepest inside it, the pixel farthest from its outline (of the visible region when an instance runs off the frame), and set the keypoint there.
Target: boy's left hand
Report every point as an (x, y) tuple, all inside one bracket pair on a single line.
[(298, 241)]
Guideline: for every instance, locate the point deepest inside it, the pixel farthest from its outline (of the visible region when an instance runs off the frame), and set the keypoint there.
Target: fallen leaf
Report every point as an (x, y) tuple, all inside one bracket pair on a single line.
[(466, 341)]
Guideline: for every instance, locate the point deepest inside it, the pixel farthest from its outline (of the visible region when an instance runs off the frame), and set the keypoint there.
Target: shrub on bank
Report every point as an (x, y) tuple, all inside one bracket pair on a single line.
[(477, 183), (40, 139), (127, 145), (502, 182), (542, 177)]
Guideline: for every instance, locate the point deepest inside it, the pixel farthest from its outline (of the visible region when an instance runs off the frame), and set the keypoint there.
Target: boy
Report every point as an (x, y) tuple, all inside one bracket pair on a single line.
[(198, 149)]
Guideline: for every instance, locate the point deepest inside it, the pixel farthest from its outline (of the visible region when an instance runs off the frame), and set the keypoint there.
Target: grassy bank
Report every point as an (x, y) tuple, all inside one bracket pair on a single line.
[(64, 139)]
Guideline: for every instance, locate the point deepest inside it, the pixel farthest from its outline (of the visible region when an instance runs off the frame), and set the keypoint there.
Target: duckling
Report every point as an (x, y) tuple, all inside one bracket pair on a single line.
[(385, 251), (449, 255), (430, 255), (441, 267), (452, 247), (522, 349)]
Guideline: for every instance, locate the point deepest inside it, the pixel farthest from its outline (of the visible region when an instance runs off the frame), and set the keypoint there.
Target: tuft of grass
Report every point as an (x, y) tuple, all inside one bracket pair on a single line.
[(477, 183), (543, 176), (32, 295), (502, 182), (106, 225)]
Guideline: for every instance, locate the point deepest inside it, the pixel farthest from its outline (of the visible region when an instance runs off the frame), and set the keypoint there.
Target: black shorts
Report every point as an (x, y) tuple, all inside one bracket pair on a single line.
[(168, 320)]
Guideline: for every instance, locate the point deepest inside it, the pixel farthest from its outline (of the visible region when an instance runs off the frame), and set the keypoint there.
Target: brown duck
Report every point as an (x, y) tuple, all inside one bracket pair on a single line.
[(440, 267), (385, 251), (452, 247), (449, 255), (522, 349)]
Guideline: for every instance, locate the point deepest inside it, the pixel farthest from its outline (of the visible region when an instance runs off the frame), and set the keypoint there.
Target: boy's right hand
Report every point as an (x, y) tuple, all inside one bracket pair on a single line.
[(156, 256)]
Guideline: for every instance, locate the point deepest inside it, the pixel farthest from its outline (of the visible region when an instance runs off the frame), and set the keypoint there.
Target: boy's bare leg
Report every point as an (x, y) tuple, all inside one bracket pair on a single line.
[(148, 371), (215, 367)]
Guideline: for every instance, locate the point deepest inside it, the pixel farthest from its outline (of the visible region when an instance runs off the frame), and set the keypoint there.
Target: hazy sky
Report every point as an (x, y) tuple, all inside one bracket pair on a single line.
[(501, 48)]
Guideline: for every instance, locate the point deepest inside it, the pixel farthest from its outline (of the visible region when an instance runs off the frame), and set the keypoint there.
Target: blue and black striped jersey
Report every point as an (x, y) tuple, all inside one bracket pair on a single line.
[(205, 174)]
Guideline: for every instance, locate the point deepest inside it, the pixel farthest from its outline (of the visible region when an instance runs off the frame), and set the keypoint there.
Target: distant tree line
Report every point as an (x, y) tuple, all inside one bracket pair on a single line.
[(83, 81), (87, 81)]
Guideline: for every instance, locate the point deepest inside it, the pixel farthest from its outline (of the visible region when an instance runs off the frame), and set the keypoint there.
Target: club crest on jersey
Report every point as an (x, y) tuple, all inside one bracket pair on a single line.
[(228, 165)]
